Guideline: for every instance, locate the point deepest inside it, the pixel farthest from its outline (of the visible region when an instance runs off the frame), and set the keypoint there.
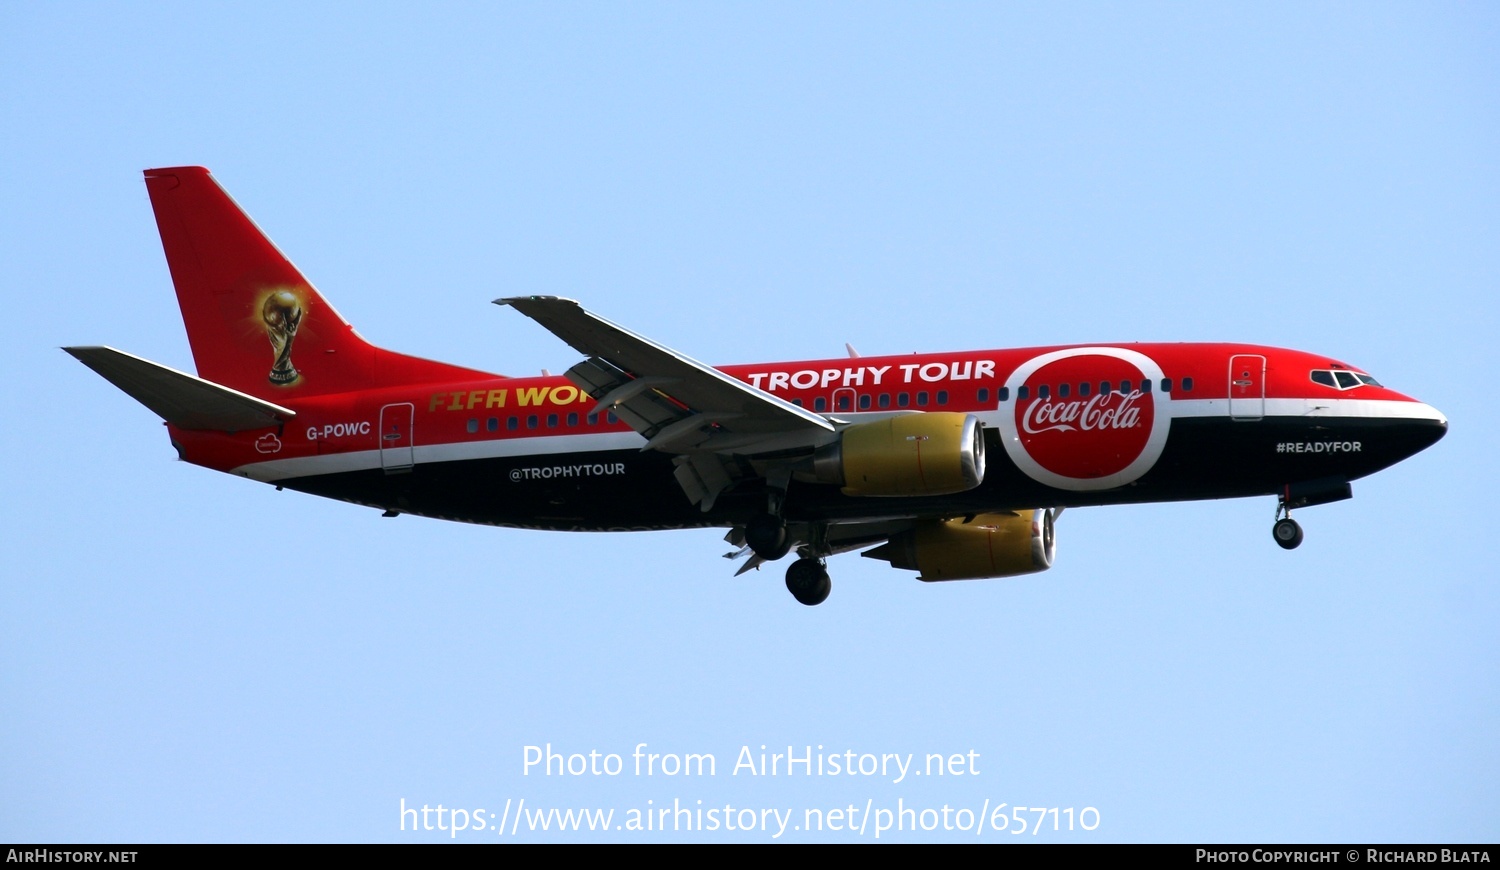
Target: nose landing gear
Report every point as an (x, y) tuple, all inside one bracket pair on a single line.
[(1287, 533)]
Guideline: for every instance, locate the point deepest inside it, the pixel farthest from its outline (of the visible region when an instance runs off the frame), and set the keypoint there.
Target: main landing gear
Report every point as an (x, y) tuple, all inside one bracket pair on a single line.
[(807, 579), (767, 537)]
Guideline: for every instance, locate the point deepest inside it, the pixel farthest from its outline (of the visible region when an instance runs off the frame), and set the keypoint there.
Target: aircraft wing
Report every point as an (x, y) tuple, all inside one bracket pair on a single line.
[(680, 405)]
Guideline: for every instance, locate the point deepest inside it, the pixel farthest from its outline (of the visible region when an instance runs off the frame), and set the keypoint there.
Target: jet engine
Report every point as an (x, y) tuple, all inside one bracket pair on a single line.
[(986, 545), (910, 454)]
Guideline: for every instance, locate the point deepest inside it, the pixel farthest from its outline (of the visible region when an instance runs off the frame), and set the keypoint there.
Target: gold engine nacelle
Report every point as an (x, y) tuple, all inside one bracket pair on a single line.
[(989, 545), (910, 454)]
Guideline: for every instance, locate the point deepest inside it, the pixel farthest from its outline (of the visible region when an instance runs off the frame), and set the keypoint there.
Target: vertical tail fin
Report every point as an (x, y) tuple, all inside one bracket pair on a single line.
[(254, 323)]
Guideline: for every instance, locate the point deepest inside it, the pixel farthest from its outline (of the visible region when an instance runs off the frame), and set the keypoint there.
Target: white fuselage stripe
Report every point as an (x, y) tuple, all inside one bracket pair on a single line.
[(365, 460), (1374, 409), (553, 445)]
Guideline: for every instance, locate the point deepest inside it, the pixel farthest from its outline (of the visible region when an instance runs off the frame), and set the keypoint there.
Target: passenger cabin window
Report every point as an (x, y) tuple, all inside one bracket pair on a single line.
[(922, 398), (1004, 394), (1166, 385), (473, 425), (885, 400), (902, 400), (512, 423), (1187, 385), (1023, 393), (820, 404), (531, 422), (864, 402), (984, 394), (1062, 391), (942, 397)]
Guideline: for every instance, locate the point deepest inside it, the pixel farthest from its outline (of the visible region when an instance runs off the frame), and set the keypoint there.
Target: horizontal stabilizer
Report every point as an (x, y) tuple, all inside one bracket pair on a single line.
[(179, 398)]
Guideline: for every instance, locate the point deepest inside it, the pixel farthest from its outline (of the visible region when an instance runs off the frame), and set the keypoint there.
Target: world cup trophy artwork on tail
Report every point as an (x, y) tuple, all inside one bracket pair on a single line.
[(282, 313)]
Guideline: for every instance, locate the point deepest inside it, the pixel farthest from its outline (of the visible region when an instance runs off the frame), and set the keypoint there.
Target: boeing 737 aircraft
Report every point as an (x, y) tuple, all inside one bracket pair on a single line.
[(954, 465)]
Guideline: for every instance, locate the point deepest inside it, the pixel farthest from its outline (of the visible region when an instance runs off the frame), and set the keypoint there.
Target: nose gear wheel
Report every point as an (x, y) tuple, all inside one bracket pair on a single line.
[(1286, 531)]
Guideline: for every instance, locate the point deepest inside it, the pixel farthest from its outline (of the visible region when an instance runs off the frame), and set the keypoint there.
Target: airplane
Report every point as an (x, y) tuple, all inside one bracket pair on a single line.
[(954, 465)]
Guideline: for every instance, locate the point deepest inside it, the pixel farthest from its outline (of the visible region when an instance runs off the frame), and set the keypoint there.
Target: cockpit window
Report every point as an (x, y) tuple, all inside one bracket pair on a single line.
[(1342, 379)]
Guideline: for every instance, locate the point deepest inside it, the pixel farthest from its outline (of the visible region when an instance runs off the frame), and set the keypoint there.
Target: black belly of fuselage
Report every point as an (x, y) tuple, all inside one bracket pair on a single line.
[(630, 490)]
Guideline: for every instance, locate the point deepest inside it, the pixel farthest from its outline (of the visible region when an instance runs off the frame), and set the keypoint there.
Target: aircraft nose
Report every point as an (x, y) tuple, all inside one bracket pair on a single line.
[(1426, 427)]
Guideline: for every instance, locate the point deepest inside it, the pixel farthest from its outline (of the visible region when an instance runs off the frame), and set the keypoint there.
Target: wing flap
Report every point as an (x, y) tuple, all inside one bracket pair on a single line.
[(635, 400), (702, 477), (180, 398)]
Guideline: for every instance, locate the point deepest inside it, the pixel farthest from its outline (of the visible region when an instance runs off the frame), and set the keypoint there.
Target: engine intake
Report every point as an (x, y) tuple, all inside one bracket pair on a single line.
[(989, 545), (936, 453)]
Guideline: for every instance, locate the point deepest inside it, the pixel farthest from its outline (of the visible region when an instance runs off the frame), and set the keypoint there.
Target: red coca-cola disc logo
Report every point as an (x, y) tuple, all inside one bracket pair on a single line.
[(1086, 418)]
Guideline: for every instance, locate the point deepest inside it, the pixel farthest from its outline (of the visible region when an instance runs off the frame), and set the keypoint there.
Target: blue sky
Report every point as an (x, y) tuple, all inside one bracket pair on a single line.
[(189, 657)]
